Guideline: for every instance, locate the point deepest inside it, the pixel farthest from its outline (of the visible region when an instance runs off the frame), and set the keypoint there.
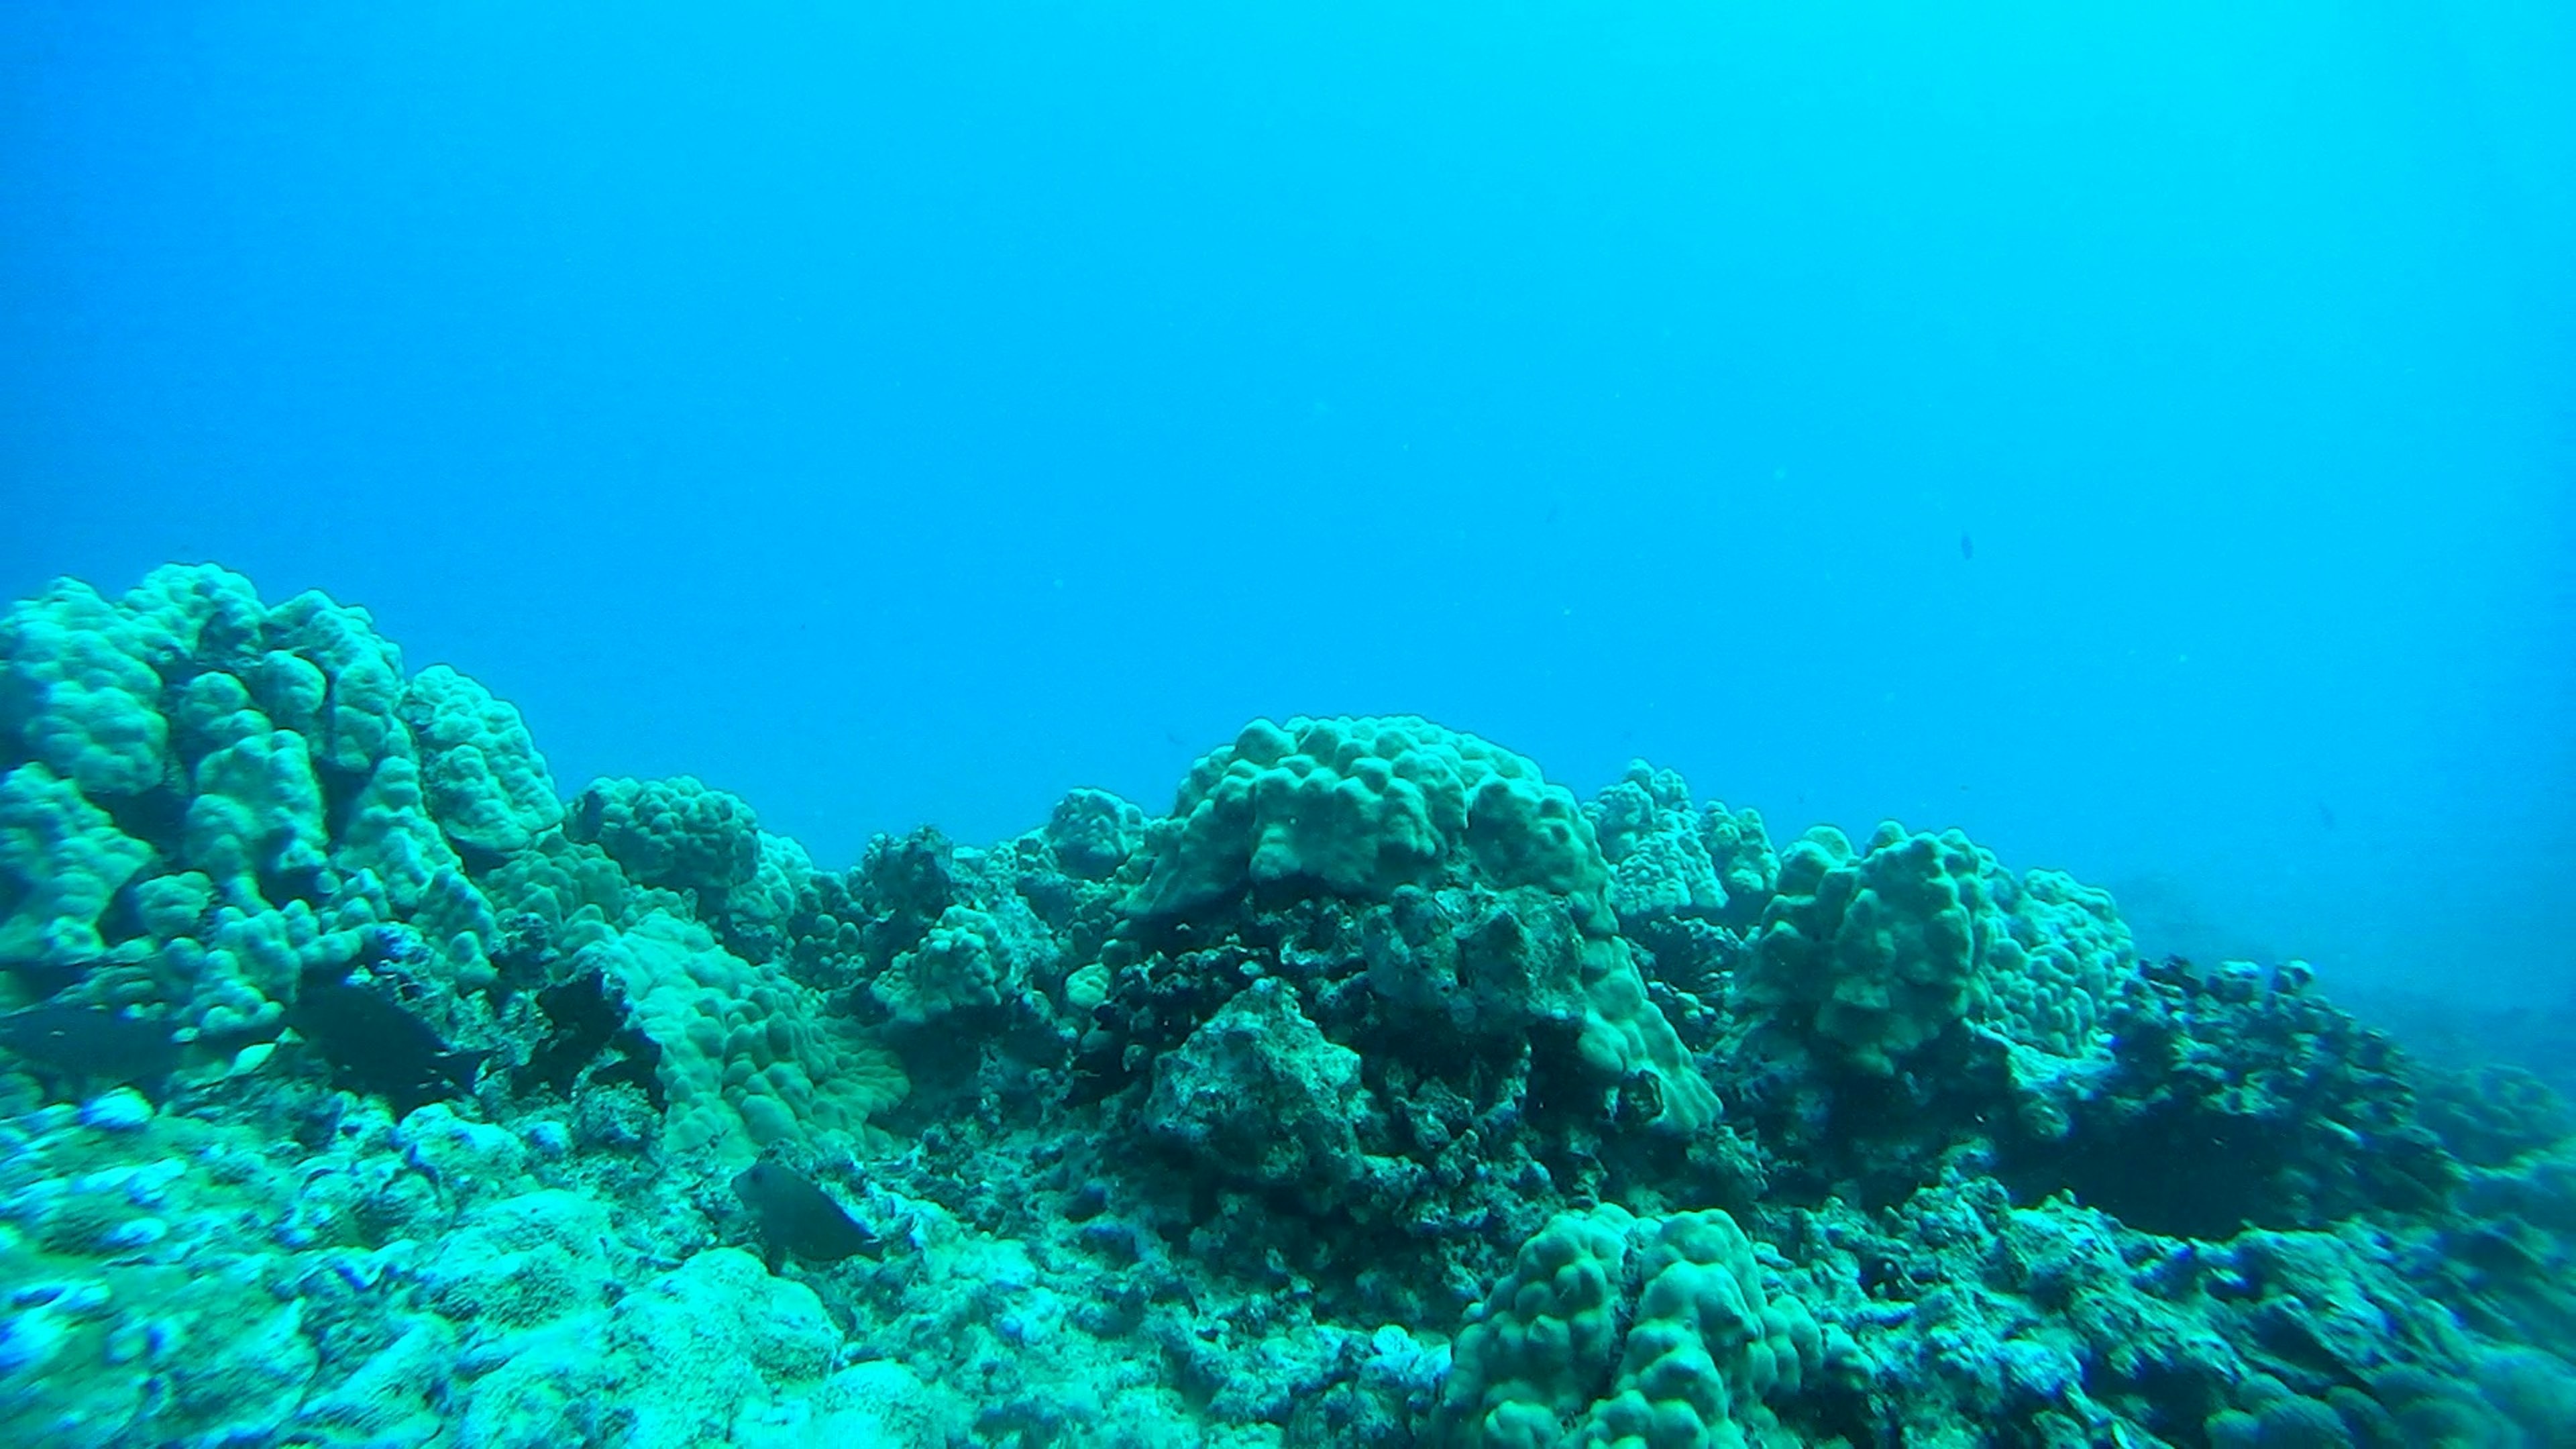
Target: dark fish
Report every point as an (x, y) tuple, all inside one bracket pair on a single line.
[(590, 1040), (93, 1044), (374, 1045), (797, 1217), (1967, 548)]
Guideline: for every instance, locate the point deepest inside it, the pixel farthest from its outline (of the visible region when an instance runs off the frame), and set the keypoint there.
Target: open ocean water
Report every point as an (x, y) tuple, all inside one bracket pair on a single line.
[(1256, 727)]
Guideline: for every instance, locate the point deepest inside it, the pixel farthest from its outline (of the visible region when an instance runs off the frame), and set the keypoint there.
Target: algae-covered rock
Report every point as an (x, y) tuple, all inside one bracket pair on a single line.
[(1259, 1094)]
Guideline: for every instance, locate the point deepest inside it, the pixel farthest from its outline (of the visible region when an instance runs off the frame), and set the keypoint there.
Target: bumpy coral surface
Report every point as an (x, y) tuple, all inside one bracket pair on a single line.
[(356, 1088)]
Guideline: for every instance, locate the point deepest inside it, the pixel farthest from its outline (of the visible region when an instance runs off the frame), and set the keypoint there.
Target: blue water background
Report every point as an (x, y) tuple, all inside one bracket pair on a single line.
[(906, 413)]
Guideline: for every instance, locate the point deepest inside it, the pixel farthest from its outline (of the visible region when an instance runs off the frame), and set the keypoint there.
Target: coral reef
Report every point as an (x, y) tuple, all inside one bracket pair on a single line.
[(356, 1088)]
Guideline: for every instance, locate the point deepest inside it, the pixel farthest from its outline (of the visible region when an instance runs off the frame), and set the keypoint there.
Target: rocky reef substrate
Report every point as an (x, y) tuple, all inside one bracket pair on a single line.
[(360, 1087)]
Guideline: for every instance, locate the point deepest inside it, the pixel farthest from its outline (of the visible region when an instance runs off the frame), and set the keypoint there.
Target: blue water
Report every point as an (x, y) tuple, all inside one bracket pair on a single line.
[(2142, 438)]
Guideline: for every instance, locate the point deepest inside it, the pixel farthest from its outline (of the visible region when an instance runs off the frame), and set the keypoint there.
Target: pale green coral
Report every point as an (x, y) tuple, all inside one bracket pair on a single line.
[(274, 715), (2057, 962), (1875, 953), (1542, 1344), (675, 833), (62, 860), (749, 1057), (1484, 897), (486, 785), (81, 678), (239, 975), (389, 832), (78, 690), (329, 676), (1659, 864), (257, 812), (1627, 1333), (193, 613), (1093, 832), (961, 964), (170, 906), (1704, 1348), (574, 889), (1739, 847), (768, 898), (1499, 965), (1358, 807)]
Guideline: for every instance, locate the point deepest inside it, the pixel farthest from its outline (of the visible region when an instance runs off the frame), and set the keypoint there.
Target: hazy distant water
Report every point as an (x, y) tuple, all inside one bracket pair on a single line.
[(2144, 440)]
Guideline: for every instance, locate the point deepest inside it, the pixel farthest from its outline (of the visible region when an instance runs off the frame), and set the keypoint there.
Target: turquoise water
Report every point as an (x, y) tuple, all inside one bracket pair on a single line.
[(916, 726)]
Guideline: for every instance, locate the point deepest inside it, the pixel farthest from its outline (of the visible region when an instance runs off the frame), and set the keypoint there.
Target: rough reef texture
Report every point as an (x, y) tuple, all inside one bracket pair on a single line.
[(1614, 1330), (358, 1089)]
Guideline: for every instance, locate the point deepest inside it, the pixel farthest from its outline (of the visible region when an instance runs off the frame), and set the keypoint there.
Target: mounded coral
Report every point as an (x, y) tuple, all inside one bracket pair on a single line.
[(62, 860), (576, 893), (274, 798), (2062, 957), (1093, 832), (675, 833), (1358, 807), (1739, 849), (207, 798), (1481, 895), (254, 824), (328, 676), (1871, 954), (485, 783), (1688, 883), (960, 964), (80, 691), (1497, 967), (748, 1057), (1615, 1330), (757, 915), (1659, 861)]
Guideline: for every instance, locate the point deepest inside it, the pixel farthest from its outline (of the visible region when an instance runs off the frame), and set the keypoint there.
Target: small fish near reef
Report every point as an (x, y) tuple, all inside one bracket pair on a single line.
[(94, 1045), (376, 1046), (799, 1219)]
